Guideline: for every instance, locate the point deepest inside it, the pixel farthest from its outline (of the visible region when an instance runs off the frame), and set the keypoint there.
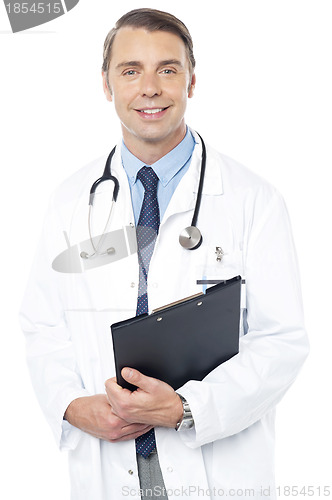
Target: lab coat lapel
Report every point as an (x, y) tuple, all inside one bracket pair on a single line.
[(185, 196)]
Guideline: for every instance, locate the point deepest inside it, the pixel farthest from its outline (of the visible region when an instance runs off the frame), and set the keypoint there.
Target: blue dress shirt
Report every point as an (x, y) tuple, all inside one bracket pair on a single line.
[(170, 169)]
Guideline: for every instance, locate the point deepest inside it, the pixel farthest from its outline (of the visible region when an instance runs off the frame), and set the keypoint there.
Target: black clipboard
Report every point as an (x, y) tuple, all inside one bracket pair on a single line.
[(184, 341)]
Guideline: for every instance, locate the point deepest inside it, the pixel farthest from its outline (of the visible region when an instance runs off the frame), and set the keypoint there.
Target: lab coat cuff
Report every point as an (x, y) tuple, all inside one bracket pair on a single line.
[(201, 432), (69, 436)]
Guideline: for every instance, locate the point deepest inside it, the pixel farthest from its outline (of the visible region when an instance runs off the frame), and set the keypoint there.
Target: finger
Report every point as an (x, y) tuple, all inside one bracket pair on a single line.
[(131, 435), (131, 431), (113, 389), (129, 427), (137, 378), (111, 383)]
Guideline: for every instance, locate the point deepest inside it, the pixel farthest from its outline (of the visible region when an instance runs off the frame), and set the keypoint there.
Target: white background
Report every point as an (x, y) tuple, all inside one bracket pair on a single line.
[(263, 96)]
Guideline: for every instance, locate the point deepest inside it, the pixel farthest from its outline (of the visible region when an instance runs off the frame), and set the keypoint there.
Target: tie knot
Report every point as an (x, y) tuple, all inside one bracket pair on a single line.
[(148, 178)]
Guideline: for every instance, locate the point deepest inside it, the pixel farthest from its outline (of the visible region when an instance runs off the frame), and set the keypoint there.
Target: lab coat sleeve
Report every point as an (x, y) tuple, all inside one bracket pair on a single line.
[(50, 352), (240, 391)]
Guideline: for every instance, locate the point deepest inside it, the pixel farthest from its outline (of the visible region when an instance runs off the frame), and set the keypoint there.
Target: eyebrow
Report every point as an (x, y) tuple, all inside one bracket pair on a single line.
[(138, 64), (128, 63)]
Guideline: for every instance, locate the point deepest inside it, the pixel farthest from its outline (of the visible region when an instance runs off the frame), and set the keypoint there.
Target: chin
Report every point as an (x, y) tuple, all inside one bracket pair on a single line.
[(151, 136), (155, 136)]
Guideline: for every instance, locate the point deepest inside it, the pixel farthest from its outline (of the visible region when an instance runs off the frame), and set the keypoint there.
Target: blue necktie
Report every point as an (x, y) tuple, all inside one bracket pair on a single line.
[(146, 232)]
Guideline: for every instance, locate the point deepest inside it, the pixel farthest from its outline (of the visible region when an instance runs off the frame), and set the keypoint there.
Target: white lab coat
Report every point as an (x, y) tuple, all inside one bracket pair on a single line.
[(67, 318)]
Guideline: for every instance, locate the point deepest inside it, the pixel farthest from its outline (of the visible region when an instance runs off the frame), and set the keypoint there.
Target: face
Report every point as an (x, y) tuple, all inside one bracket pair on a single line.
[(149, 79)]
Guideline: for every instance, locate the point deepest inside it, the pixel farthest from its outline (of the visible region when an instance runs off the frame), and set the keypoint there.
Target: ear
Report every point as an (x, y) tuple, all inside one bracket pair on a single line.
[(192, 86), (106, 88)]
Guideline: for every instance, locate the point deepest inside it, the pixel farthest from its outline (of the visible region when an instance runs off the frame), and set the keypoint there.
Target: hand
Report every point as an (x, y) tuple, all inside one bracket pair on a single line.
[(94, 415), (154, 402)]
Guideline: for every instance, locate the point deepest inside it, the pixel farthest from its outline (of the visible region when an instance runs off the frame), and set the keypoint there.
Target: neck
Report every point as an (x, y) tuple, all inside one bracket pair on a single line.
[(149, 151)]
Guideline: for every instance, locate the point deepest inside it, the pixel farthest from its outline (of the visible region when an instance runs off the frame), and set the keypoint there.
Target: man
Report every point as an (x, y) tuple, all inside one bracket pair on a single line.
[(126, 444)]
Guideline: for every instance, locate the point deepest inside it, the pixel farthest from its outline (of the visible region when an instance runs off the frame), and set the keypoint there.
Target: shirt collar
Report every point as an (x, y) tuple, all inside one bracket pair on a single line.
[(167, 167)]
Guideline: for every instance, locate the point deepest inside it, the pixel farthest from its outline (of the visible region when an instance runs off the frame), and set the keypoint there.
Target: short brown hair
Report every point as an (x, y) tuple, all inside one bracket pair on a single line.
[(151, 20)]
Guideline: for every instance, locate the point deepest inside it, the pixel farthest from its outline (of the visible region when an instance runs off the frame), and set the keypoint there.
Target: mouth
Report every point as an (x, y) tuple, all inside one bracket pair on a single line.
[(152, 113)]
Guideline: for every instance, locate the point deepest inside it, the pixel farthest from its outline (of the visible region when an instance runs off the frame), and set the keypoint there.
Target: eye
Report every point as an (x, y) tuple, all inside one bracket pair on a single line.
[(130, 72), (168, 71)]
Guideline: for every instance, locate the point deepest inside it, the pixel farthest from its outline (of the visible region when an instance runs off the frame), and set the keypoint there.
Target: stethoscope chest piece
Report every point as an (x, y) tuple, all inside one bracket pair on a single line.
[(190, 238)]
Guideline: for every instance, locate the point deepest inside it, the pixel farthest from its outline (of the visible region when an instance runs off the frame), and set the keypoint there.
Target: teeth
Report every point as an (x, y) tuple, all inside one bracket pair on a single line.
[(151, 111)]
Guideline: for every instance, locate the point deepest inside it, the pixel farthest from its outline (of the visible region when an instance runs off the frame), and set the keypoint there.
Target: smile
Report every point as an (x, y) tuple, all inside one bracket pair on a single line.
[(152, 112)]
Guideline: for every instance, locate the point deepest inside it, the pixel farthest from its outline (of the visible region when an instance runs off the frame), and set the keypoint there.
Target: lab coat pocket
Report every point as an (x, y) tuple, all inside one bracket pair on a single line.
[(220, 264), (107, 288), (224, 266)]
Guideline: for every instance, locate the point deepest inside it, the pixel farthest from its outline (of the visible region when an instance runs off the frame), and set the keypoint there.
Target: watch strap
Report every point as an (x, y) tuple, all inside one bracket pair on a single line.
[(187, 421)]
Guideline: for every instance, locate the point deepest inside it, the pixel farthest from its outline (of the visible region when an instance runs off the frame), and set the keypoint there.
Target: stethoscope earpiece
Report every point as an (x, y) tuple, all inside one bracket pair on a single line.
[(190, 238)]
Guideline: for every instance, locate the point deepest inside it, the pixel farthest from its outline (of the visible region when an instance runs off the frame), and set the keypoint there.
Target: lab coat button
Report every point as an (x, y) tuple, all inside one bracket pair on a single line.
[(130, 472), (132, 284), (155, 285), (170, 469)]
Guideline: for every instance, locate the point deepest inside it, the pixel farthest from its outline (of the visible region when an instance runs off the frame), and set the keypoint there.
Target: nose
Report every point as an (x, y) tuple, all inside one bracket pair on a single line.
[(150, 85)]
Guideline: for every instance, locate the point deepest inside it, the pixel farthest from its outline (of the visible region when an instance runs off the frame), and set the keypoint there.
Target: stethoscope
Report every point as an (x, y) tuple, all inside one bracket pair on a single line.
[(190, 238)]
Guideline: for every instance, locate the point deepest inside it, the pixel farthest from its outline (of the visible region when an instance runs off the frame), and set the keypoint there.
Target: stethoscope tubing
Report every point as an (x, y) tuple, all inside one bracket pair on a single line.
[(190, 238), (200, 185), (107, 176)]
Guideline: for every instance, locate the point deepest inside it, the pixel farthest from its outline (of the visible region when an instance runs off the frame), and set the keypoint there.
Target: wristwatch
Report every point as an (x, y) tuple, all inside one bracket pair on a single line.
[(187, 421)]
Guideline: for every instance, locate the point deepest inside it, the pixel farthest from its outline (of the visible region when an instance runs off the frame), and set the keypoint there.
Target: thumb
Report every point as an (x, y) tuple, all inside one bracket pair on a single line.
[(137, 378)]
